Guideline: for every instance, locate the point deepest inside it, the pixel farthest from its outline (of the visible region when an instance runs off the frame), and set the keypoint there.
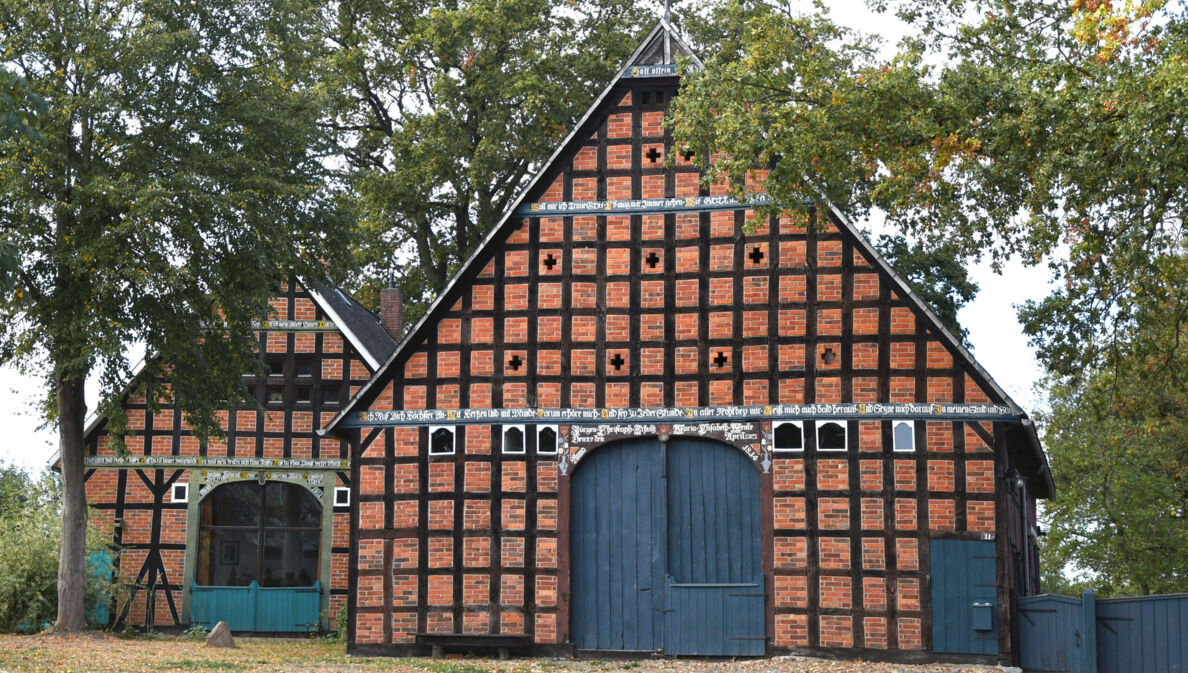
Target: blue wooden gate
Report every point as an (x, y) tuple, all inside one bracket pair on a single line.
[(1051, 638), (1142, 634), (257, 609), (666, 550), (964, 596)]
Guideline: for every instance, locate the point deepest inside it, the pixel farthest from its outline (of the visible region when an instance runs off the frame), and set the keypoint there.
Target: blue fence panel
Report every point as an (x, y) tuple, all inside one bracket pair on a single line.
[(1051, 637), (1147, 634)]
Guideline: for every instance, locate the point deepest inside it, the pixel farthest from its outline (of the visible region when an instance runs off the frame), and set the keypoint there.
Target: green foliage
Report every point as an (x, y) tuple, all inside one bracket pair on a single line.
[(444, 109), (19, 107), (29, 537), (1117, 441), (936, 274), (1044, 131), (180, 171), (196, 632)]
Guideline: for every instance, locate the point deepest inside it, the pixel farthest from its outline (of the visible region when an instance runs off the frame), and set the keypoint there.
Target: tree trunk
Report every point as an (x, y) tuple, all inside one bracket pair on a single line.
[(72, 562)]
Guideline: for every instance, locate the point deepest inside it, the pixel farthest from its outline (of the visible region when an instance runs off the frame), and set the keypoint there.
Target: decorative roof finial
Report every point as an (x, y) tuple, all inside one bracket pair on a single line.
[(667, 11)]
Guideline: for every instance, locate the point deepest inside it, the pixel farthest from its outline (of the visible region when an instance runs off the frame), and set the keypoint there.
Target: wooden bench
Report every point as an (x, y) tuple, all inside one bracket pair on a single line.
[(479, 641)]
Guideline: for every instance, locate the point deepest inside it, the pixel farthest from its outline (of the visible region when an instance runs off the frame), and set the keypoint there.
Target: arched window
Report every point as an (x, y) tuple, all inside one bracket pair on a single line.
[(269, 533), (904, 436), (789, 436), (831, 436)]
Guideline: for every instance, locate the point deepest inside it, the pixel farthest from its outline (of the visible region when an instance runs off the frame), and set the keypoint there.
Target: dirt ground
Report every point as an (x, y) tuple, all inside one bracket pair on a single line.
[(170, 654)]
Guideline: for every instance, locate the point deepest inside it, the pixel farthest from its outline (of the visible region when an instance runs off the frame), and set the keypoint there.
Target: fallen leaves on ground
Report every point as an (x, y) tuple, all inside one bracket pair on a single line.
[(101, 652)]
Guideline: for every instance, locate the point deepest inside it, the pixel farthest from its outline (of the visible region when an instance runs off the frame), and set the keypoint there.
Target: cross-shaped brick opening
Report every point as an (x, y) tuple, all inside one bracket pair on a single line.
[(550, 261), (827, 356), (688, 153), (756, 255), (652, 154), (720, 359), (652, 259), (515, 363), (617, 361)]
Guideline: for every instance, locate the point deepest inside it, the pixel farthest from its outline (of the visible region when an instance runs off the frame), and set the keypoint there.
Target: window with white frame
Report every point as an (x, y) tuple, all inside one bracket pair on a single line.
[(546, 439), (441, 440), (180, 492), (903, 435), (513, 439), (789, 436), (342, 496), (831, 436)]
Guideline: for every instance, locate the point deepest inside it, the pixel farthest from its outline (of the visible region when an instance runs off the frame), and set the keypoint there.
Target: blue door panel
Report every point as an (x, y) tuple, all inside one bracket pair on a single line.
[(617, 549), (964, 596)]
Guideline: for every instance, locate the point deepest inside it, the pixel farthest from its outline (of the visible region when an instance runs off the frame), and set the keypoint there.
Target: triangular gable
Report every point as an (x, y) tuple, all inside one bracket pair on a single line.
[(662, 44), (643, 55), (358, 325)]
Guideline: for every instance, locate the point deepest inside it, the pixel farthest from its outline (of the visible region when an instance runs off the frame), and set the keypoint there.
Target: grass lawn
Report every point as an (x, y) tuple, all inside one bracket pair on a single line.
[(172, 654)]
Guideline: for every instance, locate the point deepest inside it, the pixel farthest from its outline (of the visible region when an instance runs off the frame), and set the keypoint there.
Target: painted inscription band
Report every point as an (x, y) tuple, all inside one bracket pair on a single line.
[(190, 462), (771, 412), (658, 70), (680, 204)]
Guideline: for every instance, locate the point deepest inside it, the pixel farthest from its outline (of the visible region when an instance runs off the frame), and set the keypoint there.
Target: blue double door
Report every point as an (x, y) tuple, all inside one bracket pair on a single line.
[(665, 550)]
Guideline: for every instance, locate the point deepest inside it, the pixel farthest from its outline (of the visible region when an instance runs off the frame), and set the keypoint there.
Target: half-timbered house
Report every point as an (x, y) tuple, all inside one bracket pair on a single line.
[(638, 421), (251, 528)]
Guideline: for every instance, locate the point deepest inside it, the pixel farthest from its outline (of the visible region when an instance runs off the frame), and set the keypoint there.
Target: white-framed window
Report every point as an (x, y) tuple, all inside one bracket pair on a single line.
[(547, 439), (513, 439), (832, 436), (788, 436), (342, 496), (903, 435), (441, 440), (180, 492)]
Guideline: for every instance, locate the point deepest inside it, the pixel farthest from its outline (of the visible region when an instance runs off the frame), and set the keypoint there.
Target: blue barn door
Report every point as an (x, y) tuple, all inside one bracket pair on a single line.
[(665, 544), (964, 596)]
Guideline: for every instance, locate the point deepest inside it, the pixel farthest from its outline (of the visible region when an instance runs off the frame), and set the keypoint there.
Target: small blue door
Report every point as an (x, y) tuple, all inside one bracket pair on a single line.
[(666, 550), (964, 596)]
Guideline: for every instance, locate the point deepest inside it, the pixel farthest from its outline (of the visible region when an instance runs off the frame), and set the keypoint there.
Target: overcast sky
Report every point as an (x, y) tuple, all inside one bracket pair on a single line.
[(997, 338)]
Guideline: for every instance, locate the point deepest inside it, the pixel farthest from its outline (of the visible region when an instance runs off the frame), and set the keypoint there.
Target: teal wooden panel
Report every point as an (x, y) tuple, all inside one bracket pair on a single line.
[(1050, 634), (964, 590), (1143, 634), (617, 554), (99, 564), (715, 593), (257, 609)]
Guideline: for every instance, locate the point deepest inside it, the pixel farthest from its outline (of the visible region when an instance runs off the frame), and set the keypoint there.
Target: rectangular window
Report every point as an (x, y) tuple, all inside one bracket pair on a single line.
[(180, 492)]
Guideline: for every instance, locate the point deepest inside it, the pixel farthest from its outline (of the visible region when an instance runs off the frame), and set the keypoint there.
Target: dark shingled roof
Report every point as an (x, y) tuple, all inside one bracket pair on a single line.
[(360, 325)]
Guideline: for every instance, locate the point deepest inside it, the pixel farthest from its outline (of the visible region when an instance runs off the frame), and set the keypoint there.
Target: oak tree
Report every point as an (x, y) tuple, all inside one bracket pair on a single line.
[(179, 175), (443, 110)]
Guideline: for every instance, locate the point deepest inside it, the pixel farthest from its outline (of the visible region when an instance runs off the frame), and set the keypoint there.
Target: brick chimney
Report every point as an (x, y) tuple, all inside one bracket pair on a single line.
[(392, 311)]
